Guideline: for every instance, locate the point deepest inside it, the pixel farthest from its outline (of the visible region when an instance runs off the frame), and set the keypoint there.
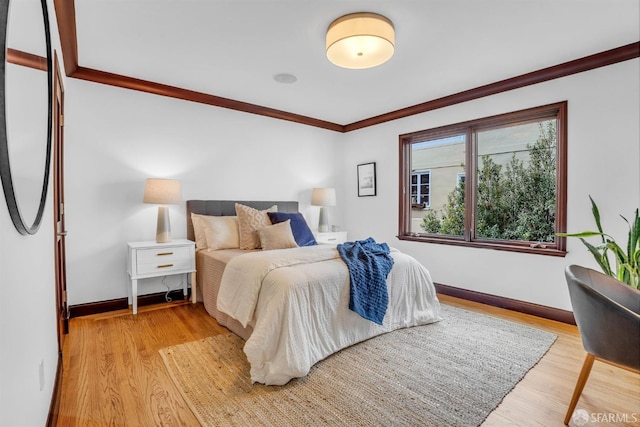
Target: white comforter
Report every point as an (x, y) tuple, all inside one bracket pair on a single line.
[(297, 301)]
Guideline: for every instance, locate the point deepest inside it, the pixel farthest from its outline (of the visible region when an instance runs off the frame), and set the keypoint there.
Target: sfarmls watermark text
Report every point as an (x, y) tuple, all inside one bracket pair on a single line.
[(582, 417)]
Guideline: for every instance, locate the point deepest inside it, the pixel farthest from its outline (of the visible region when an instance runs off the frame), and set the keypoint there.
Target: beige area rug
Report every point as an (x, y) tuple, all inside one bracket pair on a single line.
[(450, 373)]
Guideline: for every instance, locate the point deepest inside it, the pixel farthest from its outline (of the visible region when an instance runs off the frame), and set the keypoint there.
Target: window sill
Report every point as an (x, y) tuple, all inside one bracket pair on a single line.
[(500, 246)]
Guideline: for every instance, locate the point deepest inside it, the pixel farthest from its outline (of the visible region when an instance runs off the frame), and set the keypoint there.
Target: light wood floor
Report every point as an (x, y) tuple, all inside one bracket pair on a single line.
[(113, 374)]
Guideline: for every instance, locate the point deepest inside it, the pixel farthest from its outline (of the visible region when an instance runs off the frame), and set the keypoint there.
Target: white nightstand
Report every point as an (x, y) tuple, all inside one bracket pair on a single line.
[(152, 259), (331, 237)]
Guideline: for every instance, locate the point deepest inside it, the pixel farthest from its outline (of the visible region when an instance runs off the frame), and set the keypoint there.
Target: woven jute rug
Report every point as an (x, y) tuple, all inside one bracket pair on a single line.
[(450, 373)]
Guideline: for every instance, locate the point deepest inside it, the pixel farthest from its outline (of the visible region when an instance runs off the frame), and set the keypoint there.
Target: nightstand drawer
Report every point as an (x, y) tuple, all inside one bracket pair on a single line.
[(165, 265), (163, 255), (333, 237)]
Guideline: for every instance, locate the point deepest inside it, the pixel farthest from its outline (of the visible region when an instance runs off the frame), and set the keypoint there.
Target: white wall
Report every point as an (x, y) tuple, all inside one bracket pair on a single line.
[(116, 138), (27, 321), (27, 316), (603, 159)]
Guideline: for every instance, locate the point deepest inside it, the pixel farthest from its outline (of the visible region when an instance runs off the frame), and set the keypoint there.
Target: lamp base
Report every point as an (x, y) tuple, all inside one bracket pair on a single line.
[(163, 231), (323, 225)]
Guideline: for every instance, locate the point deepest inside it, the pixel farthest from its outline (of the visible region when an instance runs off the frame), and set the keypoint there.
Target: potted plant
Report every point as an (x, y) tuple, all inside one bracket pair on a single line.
[(627, 260)]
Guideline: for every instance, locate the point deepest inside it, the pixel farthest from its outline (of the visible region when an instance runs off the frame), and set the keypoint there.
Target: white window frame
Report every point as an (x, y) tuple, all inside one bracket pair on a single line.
[(418, 174)]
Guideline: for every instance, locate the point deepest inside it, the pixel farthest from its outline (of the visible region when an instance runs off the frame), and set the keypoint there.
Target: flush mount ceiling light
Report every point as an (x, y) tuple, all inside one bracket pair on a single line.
[(360, 40)]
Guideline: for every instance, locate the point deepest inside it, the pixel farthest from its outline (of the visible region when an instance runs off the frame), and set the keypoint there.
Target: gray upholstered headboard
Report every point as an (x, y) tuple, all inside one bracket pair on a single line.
[(227, 208)]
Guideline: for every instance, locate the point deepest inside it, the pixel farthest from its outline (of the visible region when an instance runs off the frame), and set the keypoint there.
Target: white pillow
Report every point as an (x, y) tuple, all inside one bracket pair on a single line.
[(277, 236), (198, 231), (221, 232)]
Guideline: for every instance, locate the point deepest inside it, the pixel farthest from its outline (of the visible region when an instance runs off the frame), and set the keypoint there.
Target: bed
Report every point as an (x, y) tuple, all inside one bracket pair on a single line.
[(291, 305)]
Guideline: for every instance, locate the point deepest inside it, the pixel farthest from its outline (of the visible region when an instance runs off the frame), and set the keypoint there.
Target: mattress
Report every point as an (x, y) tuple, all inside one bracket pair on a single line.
[(210, 266)]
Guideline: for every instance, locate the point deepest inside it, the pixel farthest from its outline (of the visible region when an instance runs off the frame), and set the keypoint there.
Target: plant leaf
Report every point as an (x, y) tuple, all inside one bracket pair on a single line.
[(596, 216), (601, 258), (621, 256), (582, 234), (633, 243)]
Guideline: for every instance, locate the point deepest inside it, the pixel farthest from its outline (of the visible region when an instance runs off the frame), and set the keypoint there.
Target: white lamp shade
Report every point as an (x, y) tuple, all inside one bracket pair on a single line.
[(162, 191), (360, 40), (323, 197)]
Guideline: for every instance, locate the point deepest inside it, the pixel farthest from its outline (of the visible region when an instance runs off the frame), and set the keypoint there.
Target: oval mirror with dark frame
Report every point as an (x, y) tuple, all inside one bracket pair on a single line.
[(26, 90)]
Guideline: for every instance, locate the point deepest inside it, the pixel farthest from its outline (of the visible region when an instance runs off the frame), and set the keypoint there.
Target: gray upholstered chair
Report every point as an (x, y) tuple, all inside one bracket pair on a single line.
[(608, 316)]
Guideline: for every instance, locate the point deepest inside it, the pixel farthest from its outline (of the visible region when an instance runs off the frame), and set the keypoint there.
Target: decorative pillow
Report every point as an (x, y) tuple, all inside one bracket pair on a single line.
[(198, 231), (301, 231), (221, 232), (249, 221), (277, 236)]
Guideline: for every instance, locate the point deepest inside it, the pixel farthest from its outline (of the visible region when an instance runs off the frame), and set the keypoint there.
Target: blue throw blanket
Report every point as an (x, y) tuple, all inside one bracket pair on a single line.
[(369, 265)]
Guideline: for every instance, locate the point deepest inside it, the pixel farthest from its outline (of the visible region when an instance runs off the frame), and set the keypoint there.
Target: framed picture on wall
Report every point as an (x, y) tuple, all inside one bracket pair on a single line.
[(367, 179)]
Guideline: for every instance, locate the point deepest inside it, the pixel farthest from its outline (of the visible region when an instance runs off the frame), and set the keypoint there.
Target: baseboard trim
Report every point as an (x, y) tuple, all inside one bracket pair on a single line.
[(97, 307), (54, 406), (492, 300), (508, 303)]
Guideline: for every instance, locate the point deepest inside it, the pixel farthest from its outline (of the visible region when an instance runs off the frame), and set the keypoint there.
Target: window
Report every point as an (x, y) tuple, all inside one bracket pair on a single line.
[(420, 189), (497, 182)]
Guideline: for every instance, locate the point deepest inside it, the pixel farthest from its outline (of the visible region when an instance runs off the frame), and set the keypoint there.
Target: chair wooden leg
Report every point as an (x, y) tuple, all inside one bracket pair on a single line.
[(582, 380)]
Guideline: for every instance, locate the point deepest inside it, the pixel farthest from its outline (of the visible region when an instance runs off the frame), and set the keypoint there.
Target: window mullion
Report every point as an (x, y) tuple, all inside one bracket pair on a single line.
[(469, 189)]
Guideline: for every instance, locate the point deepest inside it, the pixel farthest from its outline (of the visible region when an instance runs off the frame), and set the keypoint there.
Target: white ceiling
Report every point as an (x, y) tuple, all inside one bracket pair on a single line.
[(233, 48)]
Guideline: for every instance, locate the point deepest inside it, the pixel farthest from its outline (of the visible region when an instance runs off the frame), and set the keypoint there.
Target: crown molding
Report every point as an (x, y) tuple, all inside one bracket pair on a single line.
[(66, 17), (580, 65), (126, 82), (25, 59), (586, 63)]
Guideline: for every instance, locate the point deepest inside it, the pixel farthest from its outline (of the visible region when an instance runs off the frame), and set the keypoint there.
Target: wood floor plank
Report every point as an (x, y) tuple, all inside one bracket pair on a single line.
[(113, 374)]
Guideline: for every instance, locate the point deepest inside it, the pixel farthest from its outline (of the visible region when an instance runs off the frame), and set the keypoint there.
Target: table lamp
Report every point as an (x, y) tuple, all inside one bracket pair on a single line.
[(162, 192), (323, 197)]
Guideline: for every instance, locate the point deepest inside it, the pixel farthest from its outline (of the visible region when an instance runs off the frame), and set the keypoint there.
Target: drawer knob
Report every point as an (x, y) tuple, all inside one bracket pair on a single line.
[(165, 253), (165, 265)]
